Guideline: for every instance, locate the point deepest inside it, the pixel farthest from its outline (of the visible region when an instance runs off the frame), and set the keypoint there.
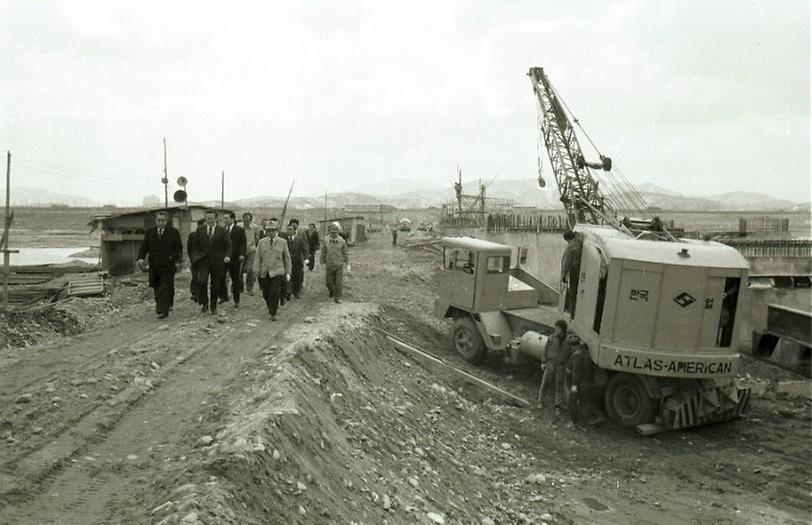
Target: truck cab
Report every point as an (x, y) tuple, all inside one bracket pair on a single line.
[(476, 278)]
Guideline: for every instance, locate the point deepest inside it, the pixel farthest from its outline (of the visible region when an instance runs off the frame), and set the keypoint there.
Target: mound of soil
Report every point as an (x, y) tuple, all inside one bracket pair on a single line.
[(334, 425)]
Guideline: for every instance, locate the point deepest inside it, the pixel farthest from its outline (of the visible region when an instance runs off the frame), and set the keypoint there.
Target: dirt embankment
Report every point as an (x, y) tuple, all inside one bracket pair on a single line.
[(333, 426), (316, 419)]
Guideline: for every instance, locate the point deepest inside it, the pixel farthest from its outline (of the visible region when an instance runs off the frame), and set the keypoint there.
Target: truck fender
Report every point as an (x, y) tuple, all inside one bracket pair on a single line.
[(494, 329)]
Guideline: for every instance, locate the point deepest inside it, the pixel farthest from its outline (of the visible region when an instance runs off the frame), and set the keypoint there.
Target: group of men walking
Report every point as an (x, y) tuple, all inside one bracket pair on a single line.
[(223, 251)]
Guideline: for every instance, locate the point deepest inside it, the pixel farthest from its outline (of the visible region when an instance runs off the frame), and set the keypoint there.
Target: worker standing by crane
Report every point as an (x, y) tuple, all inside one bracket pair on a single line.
[(557, 354), (571, 269)]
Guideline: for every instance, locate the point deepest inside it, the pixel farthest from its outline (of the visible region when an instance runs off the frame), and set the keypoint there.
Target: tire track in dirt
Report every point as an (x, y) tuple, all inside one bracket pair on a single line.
[(88, 489), (85, 349)]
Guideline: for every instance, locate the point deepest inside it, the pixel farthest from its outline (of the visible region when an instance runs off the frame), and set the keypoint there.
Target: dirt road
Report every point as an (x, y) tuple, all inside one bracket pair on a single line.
[(316, 419)]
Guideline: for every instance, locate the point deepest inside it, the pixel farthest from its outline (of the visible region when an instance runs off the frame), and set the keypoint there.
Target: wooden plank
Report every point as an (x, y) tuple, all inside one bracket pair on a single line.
[(410, 350), (649, 429)]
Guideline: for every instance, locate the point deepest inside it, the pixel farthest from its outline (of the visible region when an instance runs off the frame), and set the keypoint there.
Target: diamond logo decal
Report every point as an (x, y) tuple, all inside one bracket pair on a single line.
[(684, 299)]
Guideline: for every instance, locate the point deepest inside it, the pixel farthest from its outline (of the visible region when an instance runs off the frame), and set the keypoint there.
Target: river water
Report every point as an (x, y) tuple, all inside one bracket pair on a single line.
[(49, 256)]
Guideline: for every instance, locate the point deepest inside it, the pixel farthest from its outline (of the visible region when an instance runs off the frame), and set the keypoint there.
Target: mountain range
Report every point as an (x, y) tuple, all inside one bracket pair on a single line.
[(521, 191), (25, 196), (421, 193)]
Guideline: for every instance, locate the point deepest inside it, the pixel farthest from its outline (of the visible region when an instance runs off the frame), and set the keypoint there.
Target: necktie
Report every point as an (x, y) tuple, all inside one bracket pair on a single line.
[(211, 232), (160, 233)]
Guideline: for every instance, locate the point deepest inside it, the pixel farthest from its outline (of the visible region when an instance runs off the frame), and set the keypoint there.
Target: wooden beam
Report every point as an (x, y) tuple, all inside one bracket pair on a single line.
[(412, 351)]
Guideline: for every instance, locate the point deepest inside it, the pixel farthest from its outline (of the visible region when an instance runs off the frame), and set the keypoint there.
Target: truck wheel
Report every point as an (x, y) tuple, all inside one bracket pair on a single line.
[(467, 341), (627, 402)]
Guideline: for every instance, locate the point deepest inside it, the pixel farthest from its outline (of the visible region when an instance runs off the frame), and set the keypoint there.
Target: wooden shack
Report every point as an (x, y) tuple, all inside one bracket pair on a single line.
[(122, 234)]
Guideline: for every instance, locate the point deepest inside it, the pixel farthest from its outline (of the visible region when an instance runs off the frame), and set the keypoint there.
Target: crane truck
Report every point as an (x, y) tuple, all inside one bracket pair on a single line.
[(657, 313)]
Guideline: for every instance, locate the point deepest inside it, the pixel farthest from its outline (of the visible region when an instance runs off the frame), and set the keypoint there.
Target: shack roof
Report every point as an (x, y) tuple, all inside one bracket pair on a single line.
[(619, 245), (101, 217)]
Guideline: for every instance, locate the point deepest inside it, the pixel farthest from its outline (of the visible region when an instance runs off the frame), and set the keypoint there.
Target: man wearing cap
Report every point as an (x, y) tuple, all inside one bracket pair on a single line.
[(333, 257), (272, 266), (163, 246)]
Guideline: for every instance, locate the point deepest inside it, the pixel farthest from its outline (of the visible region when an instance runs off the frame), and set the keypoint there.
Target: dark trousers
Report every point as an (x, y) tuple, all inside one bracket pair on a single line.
[(572, 291), (271, 291), (248, 273), (206, 275), (334, 281), (296, 276), (234, 273), (284, 291), (193, 287), (583, 403), (163, 287), (311, 262), (222, 292)]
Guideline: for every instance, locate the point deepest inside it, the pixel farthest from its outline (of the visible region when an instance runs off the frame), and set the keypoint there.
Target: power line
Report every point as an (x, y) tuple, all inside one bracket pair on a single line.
[(43, 169)]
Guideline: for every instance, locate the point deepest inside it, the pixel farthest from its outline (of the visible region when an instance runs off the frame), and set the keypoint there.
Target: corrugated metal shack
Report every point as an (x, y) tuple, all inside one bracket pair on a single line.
[(122, 234)]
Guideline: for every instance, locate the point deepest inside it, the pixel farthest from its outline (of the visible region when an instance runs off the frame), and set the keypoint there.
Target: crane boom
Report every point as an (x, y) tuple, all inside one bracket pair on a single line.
[(580, 192)]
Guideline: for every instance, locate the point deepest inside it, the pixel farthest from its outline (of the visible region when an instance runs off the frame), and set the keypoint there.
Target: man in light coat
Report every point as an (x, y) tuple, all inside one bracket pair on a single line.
[(251, 239), (272, 266)]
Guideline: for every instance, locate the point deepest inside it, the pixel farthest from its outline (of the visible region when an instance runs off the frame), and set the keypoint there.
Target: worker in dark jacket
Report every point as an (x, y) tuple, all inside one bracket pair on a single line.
[(163, 250), (557, 356), (213, 244), (334, 256), (313, 244), (583, 406), (571, 269), (299, 252), (234, 267), (193, 258)]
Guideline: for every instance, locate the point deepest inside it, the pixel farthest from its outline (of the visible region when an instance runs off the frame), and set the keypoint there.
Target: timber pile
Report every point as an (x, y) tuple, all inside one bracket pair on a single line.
[(86, 285), (29, 284)]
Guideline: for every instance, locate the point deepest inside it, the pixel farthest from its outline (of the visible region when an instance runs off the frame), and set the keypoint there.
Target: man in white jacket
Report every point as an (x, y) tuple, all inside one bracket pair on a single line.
[(272, 266)]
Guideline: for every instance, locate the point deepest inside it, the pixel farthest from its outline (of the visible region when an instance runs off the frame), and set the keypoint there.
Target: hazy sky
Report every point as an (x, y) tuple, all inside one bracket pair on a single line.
[(697, 96)]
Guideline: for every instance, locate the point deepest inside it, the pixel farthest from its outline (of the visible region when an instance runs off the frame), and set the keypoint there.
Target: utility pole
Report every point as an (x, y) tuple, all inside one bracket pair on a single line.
[(223, 189), (165, 180), (9, 217)]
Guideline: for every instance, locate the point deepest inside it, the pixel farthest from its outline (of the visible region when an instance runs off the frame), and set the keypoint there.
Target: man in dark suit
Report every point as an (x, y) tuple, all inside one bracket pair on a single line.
[(313, 244), (193, 258), (234, 267), (213, 244), (163, 247), (299, 252)]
